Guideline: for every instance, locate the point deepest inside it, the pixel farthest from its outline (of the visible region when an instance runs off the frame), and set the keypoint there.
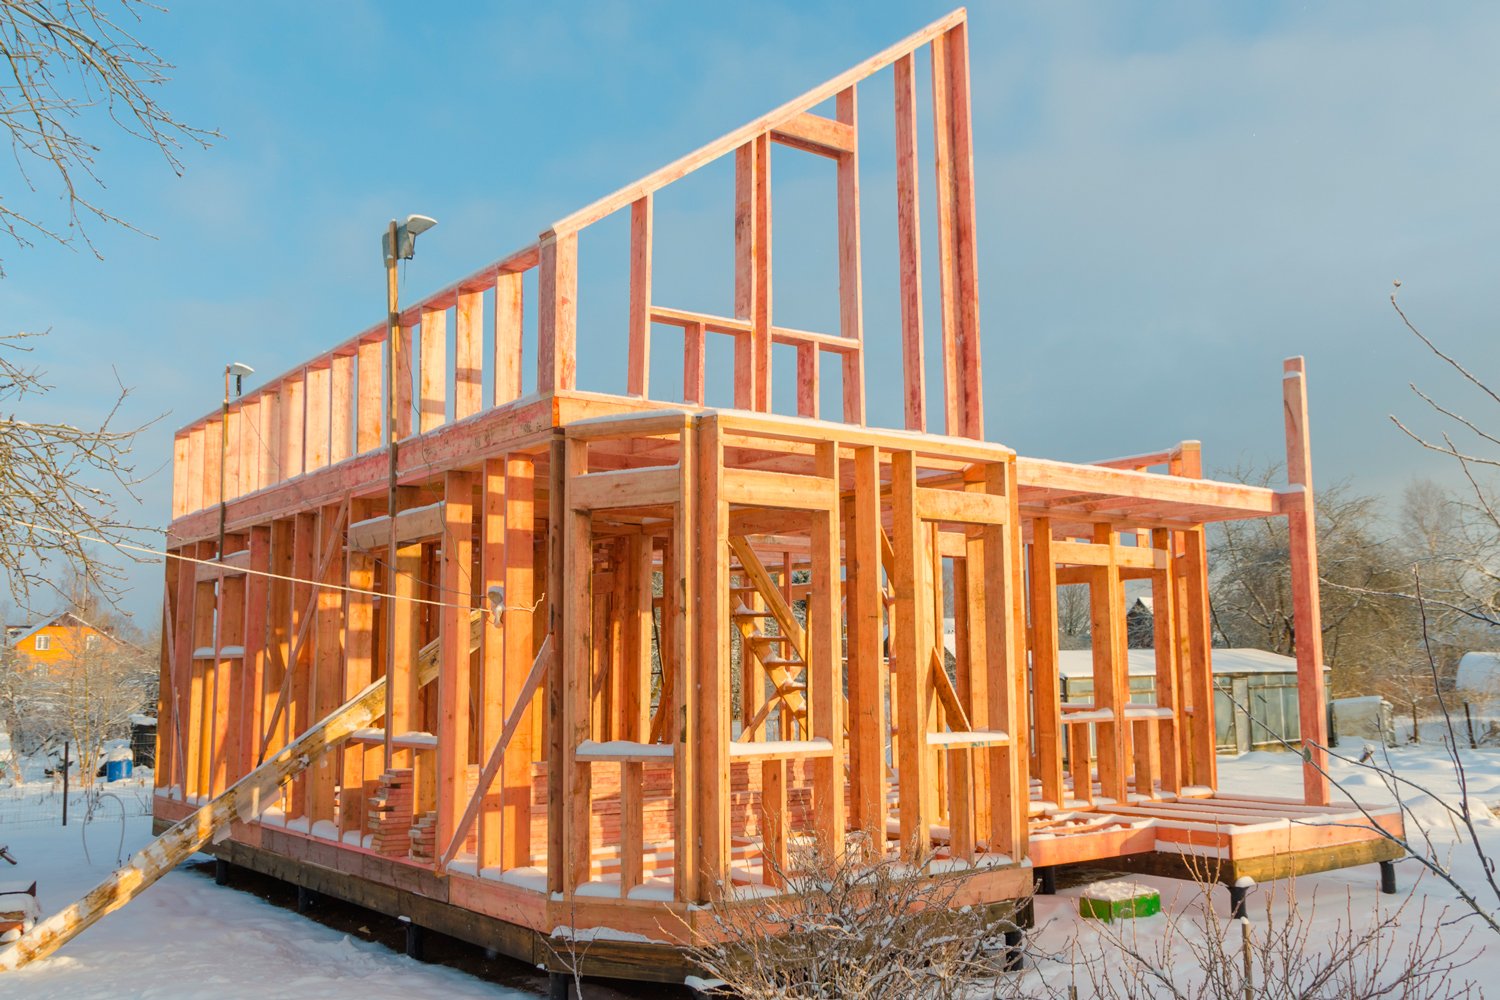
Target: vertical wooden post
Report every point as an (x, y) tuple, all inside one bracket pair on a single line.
[(270, 436), (913, 641), (508, 315), (453, 675), (909, 246), (1046, 693), (304, 559), (468, 354), (578, 638), (633, 589), (1164, 626), (493, 703), (825, 675), (403, 383), (200, 694), (166, 744), (341, 419), (692, 363), (182, 667), (278, 637), (230, 675), (851, 287), (958, 270), (557, 316), (326, 686), (867, 673), (638, 369), (1111, 680), (712, 667), (559, 690), (369, 415), (318, 418), (1005, 637), (808, 387), (359, 668), (773, 819), (293, 411), (1307, 623), (752, 273), (1200, 672), (680, 592), (433, 405)]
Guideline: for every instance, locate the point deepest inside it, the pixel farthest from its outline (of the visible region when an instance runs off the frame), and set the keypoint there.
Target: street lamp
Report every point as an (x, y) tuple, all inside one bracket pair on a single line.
[(398, 242), (238, 370)]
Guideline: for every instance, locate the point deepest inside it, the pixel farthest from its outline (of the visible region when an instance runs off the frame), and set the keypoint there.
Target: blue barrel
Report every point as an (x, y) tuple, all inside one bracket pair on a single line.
[(114, 770)]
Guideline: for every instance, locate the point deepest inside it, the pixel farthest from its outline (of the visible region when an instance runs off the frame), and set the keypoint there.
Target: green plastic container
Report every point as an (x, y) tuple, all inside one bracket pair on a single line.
[(1113, 901)]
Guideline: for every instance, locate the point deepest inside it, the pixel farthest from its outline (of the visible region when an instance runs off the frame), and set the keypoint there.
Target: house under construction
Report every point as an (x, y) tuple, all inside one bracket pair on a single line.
[(636, 652)]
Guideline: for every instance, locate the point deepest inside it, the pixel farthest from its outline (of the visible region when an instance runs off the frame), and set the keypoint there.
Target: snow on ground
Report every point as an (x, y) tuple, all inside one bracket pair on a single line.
[(186, 938), (1322, 899)]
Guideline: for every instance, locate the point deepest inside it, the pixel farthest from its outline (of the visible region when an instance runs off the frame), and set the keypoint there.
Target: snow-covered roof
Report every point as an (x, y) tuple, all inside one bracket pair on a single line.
[(1079, 663), (1479, 671), (16, 640)]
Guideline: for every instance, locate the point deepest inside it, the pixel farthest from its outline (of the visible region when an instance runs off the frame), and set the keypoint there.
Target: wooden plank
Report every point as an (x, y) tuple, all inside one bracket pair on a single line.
[(760, 308), (1007, 683), (909, 247), (1111, 682), (913, 631), (293, 410), (419, 522), (341, 408), (825, 674), (680, 579), (279, 634), (294, 702), (180, 445), (577, 641), (492, 689), (638, 367), (626, 488), (851, 282), (432, 405), (326, 690), (468, 354), (229, 678), (815, 134), (257, 607), (454, 675), (1119, 556), (1199, 675), (509, 313), (1164, 638), (213, 455), (270, 437), (359, 668), (369, 416), (232, 454), (965, 238), (962, 507), (559, 695), (692, 364), (1302, 540), (808, 389), (1046, 692), (747, 237), (193, 472), (557, 316), (712, 662), (318, 419), (867, 672), (774, 818), (779, 489)]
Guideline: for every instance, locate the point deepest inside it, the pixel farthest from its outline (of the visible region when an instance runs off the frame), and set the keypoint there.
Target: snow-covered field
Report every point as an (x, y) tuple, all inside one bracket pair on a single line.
[(187, 938)]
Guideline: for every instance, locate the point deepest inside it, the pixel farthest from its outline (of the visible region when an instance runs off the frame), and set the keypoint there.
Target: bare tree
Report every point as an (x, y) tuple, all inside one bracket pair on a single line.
[(66, 61), (58, 484)]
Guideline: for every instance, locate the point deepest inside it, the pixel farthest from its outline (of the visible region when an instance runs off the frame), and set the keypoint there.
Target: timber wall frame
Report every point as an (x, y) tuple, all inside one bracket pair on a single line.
[(721, 632)]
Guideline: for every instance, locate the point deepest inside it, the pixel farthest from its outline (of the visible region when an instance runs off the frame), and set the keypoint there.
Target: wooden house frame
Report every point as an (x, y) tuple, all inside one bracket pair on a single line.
[(641, 650)]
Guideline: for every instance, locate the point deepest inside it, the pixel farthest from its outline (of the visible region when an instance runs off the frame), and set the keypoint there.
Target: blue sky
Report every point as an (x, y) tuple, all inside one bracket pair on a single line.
[(1172, 198)]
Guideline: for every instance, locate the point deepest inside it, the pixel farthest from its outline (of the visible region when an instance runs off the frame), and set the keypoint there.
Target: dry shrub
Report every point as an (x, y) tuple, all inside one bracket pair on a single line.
[(882, 931)]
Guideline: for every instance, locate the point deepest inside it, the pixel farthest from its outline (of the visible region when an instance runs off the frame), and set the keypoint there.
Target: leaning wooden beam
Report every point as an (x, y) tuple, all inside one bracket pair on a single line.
[(518, 713), (243, 801)]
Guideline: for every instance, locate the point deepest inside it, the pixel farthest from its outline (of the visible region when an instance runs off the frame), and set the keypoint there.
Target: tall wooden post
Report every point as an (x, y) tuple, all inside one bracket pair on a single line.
[(453, 673), (1302, 538)]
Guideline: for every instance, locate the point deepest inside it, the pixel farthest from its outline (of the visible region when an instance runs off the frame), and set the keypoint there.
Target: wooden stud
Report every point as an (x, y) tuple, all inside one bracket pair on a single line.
[(433, 404), (1199, 675), (1302, 539), (468, 355), (341, 418), (270, 437), (752, 274), (403, 383), (509, 313), (299, 686), (319, 399), (909, 654), (867, 671), (557, 318), (492, 690), (638, 367), (230, 676), (1111, 679), (909, 247), (213, 454), (453, 677), (680, 590), (359, 668), (193, 474), (369, 413), (774, 814), (1046, 688), (825, 675), (326, 681), (1164, 626), (293, 411), (711, 683), (692, 363), (851, 288), (578, 638), (279, 633)]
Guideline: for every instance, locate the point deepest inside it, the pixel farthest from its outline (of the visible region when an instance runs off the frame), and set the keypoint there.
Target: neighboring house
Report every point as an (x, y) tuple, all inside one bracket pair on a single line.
[(53, 640)]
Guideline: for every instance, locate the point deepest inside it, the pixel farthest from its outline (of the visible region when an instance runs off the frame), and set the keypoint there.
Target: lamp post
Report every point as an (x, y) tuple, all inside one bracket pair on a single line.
[(237, 370), (397, 243)]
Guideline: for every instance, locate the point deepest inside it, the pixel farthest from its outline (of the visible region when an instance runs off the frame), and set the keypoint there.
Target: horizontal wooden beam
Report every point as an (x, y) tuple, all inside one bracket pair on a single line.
[(962, 507), (625, 488), (419, 522), (779, 489), (815, 134)]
